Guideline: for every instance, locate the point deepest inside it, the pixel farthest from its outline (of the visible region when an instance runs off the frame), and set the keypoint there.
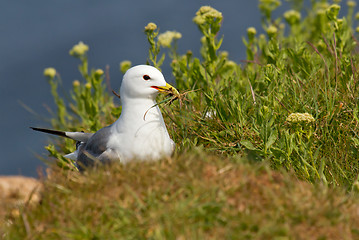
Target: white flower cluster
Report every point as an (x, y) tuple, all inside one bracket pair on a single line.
[(79, 49), (300, 118), (205, 13), (165, 39)]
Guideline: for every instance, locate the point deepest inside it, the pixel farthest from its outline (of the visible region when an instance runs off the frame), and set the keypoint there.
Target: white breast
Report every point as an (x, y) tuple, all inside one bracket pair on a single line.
[(142, 138)]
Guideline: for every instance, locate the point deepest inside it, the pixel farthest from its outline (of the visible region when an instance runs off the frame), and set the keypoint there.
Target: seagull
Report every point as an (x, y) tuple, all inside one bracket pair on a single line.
[(139, 133)]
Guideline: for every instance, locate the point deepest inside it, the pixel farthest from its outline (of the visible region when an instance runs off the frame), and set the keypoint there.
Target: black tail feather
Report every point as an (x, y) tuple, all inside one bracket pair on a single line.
[(49, 131)]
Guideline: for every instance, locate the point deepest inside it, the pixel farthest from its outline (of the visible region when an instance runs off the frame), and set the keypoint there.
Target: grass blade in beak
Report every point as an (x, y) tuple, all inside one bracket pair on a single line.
[(167, 89)]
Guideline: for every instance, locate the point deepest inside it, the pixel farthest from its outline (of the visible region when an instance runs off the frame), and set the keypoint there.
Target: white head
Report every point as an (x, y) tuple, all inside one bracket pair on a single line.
[(142, 81)]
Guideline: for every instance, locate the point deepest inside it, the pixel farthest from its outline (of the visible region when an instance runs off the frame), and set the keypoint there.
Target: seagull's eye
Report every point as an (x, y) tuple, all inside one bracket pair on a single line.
[(146, 77)]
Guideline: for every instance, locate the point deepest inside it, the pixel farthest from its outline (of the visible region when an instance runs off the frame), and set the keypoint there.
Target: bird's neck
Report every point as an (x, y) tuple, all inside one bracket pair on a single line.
[(138, 112)]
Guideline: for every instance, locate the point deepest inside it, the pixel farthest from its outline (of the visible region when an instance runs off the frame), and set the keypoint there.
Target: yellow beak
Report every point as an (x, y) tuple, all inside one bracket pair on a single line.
[(167, 89)]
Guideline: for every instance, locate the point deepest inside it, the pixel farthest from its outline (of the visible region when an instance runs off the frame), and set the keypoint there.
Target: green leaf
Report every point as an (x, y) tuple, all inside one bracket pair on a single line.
[(247, 144), (272, 138)]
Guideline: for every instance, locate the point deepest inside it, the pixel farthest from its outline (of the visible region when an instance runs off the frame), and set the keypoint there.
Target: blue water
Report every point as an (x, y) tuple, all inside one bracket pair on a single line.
[(38, 34)]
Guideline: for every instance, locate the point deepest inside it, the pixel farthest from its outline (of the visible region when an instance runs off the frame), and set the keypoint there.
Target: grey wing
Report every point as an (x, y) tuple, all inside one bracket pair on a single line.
[(93, 150)]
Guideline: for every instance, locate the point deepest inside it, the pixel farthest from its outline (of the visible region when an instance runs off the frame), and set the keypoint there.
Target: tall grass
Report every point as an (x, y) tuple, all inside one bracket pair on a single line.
[(244, 109)]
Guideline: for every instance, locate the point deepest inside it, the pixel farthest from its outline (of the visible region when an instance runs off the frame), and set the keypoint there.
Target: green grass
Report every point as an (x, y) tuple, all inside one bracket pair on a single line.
[(291, 106)]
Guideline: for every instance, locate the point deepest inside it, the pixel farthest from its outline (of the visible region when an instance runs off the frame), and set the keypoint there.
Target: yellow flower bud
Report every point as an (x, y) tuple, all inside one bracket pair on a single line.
[(150, 27), (292, 17), (230, 64), (224, 54), (88, 85), (272, 31), (125, 65), (351, 3), (357, 16), (203, 39), (50, 72), (177, 35), (251, 32), (99, 72), (262, 37), (79, 49), (199, 20), (76, 83)]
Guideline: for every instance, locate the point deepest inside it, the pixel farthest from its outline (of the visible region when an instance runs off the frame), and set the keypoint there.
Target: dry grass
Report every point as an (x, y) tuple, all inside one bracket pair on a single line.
[(194, 196)]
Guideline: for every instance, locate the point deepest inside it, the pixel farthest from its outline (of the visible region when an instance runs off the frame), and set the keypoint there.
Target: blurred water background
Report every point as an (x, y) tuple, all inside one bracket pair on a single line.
[(39, 34)]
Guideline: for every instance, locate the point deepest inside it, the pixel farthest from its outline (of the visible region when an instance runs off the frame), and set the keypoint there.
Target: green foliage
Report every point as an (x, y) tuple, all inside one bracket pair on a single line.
[(243, 109), (234, 109)]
